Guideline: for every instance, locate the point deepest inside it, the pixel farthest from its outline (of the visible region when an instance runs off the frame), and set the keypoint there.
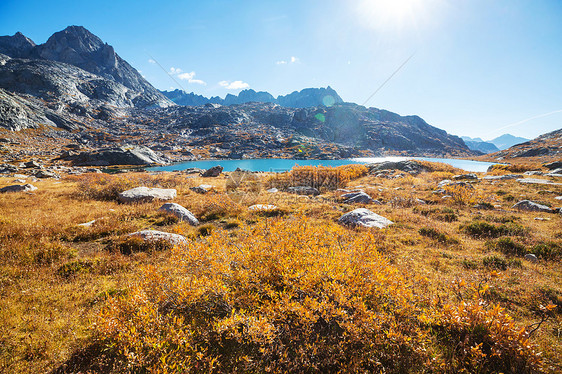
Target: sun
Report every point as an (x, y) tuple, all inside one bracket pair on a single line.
[(388, 15)]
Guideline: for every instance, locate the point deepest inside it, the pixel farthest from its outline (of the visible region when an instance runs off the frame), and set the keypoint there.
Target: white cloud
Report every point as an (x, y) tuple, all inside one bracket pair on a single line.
[(236, 85), (291, 60), (175, 71), (190, 77), (151, 61)]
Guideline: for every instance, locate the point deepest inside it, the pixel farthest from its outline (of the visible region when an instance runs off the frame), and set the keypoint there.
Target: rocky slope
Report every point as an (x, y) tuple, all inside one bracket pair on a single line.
[(307, 97), (548, 145)]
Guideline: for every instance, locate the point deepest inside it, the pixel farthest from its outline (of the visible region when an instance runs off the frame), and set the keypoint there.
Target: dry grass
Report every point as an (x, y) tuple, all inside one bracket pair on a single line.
[(57, 277)]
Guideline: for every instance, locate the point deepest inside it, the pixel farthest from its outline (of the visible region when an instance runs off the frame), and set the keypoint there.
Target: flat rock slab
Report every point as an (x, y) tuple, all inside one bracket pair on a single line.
[(364, 217), (145, 194), (262, 207), (502, 177), (18, 188), (179, 211), (304, 190), (538, 181), (531, 206), (154, 236)]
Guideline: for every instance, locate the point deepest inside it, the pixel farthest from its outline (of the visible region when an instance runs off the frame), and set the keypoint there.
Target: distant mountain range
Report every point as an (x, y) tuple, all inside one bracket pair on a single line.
[(501, 142), (507, 140), (477, 144), (305, 98)]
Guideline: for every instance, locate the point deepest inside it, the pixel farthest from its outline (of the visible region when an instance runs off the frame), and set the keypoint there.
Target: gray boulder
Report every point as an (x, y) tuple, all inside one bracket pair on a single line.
[(531, 258), (202, 188), (364, 217), (180, 212), (145, 194), (358, 197), (154, 236), (409, 166), (303, 190), (18, 188), (215, 171), (531, 206)]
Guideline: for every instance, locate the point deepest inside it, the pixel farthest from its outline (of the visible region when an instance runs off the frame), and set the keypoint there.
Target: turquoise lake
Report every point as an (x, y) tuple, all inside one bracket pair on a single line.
[(281, 165)]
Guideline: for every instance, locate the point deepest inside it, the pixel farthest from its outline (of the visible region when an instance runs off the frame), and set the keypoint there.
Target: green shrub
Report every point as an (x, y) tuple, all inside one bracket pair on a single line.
[(132, 244), (432, 233), (481, 229), (507, 246)]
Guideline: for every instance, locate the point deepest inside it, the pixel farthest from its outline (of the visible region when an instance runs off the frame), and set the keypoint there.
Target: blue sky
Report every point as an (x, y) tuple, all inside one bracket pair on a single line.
[(479, 67)]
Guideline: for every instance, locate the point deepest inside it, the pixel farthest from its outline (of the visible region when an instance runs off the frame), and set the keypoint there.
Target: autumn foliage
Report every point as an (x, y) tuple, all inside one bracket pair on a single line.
[(291, 296)]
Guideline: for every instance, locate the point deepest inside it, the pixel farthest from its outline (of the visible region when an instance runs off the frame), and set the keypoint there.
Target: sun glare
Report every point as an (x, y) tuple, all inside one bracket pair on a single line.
[(389, 15)]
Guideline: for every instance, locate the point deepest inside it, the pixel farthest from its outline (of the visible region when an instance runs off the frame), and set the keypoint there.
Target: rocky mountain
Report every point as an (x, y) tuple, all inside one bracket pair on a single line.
[(308, 97), (477, 144), (507, 140), (77, 83), (548, 145), (80, 48)]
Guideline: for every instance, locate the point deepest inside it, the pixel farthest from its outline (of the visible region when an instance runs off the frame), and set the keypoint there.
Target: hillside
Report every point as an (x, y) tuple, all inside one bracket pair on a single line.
[(547, 147)]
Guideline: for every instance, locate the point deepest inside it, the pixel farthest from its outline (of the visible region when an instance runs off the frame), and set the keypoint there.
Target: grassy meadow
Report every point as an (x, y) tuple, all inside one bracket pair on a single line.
[(445, 289)]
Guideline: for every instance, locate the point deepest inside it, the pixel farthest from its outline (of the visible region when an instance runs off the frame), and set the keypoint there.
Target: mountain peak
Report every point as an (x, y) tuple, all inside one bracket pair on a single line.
[(77, 38), (17, 45)]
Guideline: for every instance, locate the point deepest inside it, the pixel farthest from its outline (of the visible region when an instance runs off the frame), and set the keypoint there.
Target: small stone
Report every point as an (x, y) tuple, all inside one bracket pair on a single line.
[(304, 190), (87, 224), (531, 258), (273, 190)]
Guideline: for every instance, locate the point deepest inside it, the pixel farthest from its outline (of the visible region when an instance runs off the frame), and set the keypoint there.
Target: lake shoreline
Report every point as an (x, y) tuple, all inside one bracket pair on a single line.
[(285, 164)]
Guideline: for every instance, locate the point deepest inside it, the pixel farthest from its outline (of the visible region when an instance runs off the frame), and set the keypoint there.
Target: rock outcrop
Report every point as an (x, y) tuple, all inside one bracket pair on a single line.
[(137, 155)]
